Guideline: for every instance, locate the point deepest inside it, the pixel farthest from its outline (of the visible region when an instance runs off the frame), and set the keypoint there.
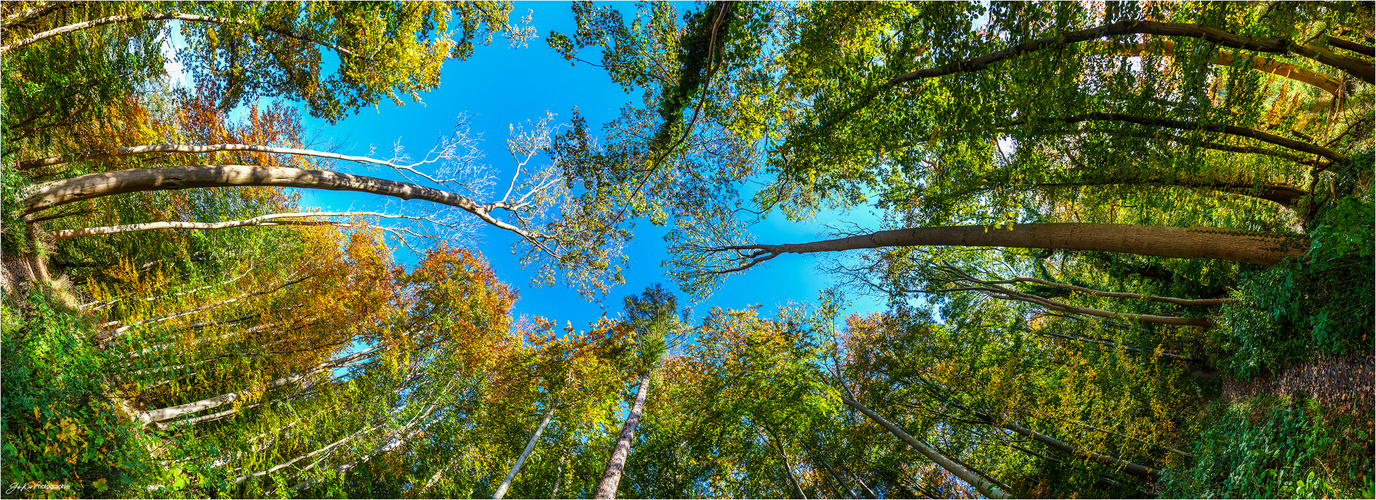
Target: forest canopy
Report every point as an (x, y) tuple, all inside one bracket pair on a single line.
[(1116, 249)]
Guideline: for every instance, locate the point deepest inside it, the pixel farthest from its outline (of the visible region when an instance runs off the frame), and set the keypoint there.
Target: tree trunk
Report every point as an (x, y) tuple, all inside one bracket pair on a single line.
[(865, 488), (103, 337), (1167, 48), (1188, 125), (1282, 194), (1354, 67), (158, 16), (1158, 241), (1131, 468), (964, 474), (530, 445), (611, 477), (1111, 344), (172, 412), (192, 149), (1055, 305), (1120, 295), (788, 468), (85, 187), (843, 487), (558, 476)]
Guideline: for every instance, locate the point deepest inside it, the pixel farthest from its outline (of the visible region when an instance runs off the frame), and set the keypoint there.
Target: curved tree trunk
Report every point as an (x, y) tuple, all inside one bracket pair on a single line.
[(1352, 66), (104, 154), (1160, 241), (964, 474), (1129, 467), (611, 477), (173, 412), (262, 220), (90, 186), (158, 16), (1284, 70)]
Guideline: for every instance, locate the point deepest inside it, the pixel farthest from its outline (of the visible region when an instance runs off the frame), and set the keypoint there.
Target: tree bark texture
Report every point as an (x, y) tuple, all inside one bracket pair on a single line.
[(157, 16), (172, 412), (1130, 27), (104, 154), (1158, 241), (964, 474), (611, 477), (1131, 468), (530, 445), (1285, 70), (90, 186)]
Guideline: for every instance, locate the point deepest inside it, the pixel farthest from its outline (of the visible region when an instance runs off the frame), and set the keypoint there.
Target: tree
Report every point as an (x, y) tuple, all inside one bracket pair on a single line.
[(652, 316)]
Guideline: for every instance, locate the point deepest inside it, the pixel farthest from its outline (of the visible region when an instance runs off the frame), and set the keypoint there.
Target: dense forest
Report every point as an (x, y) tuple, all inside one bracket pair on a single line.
[(1124, 250)]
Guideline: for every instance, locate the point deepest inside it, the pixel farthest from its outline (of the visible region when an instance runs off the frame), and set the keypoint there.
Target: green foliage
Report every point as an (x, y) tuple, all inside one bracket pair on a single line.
[(1268, 447), (61, 424), (1320, 303)]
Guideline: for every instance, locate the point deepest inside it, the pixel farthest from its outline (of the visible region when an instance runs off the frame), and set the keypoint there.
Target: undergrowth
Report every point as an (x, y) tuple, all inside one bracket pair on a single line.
[(1276, 447)]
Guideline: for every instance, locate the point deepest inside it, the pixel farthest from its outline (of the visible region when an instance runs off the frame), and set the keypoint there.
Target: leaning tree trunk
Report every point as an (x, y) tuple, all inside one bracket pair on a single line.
[(611, 477), (1159, 241), (97, 185), (530, 445), (173, 412), (1129, 467), (964, 474)]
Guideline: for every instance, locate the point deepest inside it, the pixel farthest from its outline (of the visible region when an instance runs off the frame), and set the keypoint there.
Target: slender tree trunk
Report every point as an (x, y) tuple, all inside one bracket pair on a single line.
[(1131, 468), (1352, 66), (377, 423), (262, 220), (103, 337), (842, 487), (1111, 344), (157, 16), (611, 477), (530, 445), (1159, 241), (97, 185), (149, 226), (558, 477), (1055, 305), (1355, 67), (104, 154), (1165, 47), (38, 10), (1365, 50), (788, 467), (1188, 125), (865, 488), (1281, 194), (964, 474), (173, 412), (1120, 295)]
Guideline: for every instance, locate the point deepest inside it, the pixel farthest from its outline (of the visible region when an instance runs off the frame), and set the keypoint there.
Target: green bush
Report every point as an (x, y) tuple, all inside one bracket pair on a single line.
[(1319, 303), (1269, 447), (59, 427)]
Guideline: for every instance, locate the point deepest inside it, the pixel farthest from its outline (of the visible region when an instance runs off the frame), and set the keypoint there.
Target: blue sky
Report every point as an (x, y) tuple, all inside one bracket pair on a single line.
[(499, 86)]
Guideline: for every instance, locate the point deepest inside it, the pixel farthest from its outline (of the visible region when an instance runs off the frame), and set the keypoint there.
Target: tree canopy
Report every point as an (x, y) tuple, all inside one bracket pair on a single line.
[(1124, 249)]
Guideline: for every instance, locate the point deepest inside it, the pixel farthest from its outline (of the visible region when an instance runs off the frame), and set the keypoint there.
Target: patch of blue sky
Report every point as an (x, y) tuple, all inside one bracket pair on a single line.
[(500, 86)]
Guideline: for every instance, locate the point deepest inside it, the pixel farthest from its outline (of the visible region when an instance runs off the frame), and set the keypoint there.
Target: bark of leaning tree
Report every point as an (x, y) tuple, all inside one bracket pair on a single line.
[(1159, 241), (90, 186), (1355, 67), (173, 412), (611, 477), (1129, 467), (530, 445), (988, 490)]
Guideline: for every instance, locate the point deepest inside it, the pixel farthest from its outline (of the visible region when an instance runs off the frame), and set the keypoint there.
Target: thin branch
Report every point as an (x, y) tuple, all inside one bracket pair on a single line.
[(162, 16)]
